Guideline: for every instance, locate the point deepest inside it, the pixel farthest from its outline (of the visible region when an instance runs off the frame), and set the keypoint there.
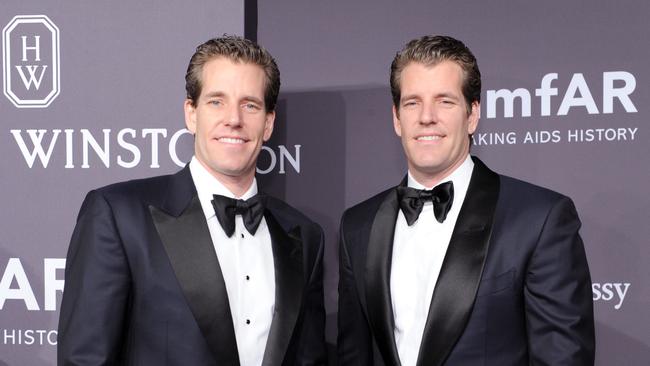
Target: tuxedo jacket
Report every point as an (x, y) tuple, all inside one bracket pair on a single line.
[(514, 288), (143, 285)]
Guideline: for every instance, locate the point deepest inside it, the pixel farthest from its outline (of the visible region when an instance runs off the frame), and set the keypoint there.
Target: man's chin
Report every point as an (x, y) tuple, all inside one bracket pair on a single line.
[(429, 169), (429, 166), (231, 171), (237, 172)]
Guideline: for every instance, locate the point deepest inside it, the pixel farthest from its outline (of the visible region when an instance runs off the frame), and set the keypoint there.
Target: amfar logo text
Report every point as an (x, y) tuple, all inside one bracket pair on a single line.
[(15, 284), (30, 56), (617, 87)]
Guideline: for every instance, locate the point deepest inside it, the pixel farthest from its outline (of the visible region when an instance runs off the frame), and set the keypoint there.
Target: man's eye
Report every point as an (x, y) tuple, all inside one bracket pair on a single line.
[(215, 102), (409, 104), (251, 106)]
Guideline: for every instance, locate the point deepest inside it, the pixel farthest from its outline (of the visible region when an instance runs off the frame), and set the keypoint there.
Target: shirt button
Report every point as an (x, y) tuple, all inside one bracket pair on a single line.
[(242, 235), (248, 278), (248, 321)]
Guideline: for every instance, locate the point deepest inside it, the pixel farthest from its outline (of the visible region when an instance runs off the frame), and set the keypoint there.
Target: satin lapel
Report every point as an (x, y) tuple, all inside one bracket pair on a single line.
[(289, 282), (455, 291), (187, 241), (377, 278)]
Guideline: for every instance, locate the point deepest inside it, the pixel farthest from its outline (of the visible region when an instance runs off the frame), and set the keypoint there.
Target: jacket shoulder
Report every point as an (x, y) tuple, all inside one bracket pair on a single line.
[(517, 189), (517, 192), (364, 211), (522, 199), (143, 189), (289, 215)]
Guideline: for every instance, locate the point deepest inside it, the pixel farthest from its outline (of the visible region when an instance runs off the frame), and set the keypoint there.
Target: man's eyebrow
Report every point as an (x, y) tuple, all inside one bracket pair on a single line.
[(214, 94), (437, 96), (219, 94), (447, 95), (254, 99), (409, 96)]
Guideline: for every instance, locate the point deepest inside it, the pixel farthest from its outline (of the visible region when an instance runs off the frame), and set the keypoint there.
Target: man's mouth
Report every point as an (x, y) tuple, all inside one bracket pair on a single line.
[(428, 138), (231, 140)]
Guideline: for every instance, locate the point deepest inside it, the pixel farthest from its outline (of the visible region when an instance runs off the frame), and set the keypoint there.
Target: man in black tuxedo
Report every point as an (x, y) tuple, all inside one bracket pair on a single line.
[(458, 265), (197, 268)]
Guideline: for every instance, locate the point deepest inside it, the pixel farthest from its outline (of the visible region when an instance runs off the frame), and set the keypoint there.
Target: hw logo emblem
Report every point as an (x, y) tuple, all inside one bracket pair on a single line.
[(30, 56)]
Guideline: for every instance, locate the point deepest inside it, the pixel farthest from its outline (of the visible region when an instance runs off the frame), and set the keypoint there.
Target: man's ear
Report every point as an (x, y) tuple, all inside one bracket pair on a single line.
[(190, 115), (268, 125), (474, 117), (396, 122)]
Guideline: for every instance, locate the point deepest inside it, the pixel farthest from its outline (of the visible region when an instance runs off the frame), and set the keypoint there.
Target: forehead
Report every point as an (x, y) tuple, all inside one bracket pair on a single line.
[(224, 74), (445, 76)]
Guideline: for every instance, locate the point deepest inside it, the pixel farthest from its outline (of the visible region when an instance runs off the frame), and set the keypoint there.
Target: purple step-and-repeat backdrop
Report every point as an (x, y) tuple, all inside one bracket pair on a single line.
[(93, 94)]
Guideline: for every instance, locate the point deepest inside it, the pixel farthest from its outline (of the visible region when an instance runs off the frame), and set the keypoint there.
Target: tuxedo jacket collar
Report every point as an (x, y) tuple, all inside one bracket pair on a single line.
[(455, 291), (289, 279), (184, 233)]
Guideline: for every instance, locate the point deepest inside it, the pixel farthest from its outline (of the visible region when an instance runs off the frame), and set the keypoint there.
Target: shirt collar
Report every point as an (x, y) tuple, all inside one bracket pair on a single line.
[(207, 186)]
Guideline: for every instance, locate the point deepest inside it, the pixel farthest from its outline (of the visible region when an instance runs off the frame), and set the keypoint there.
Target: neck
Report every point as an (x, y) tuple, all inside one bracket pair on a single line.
[(237, 185), (431, 179), (426, 180)]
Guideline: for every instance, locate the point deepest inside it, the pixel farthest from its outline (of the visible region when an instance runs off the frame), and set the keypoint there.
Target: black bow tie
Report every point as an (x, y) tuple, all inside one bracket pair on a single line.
[(226, 208), (412, 200)]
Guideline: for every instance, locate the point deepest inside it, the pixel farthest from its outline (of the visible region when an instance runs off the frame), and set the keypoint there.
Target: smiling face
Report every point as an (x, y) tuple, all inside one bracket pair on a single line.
[(229, 119), (432, 120)]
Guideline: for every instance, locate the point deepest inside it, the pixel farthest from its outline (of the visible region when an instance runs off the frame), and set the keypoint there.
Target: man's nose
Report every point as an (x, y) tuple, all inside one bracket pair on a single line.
[(428, 114), (233, 117)]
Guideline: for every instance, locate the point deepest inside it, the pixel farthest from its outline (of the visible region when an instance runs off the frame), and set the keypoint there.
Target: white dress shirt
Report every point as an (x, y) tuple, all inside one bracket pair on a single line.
[(418, 253), (247, 265)]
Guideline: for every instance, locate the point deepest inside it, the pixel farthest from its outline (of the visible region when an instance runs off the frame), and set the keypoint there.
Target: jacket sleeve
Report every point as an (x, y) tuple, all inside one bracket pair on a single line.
[(312, 349), (353, 342), (558, 298), (97, 287)]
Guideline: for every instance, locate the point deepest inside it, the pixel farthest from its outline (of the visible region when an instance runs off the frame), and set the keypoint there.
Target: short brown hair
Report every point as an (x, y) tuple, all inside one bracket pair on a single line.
[(430, 50), (236, 49)]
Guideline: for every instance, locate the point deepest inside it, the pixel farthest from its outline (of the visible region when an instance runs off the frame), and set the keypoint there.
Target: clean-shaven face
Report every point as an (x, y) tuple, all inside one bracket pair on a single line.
[(432, 119), (229, 120)]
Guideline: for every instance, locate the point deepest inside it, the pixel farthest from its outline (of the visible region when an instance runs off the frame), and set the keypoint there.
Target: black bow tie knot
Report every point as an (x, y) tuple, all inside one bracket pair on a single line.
[(226, 208), (412, 200)]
